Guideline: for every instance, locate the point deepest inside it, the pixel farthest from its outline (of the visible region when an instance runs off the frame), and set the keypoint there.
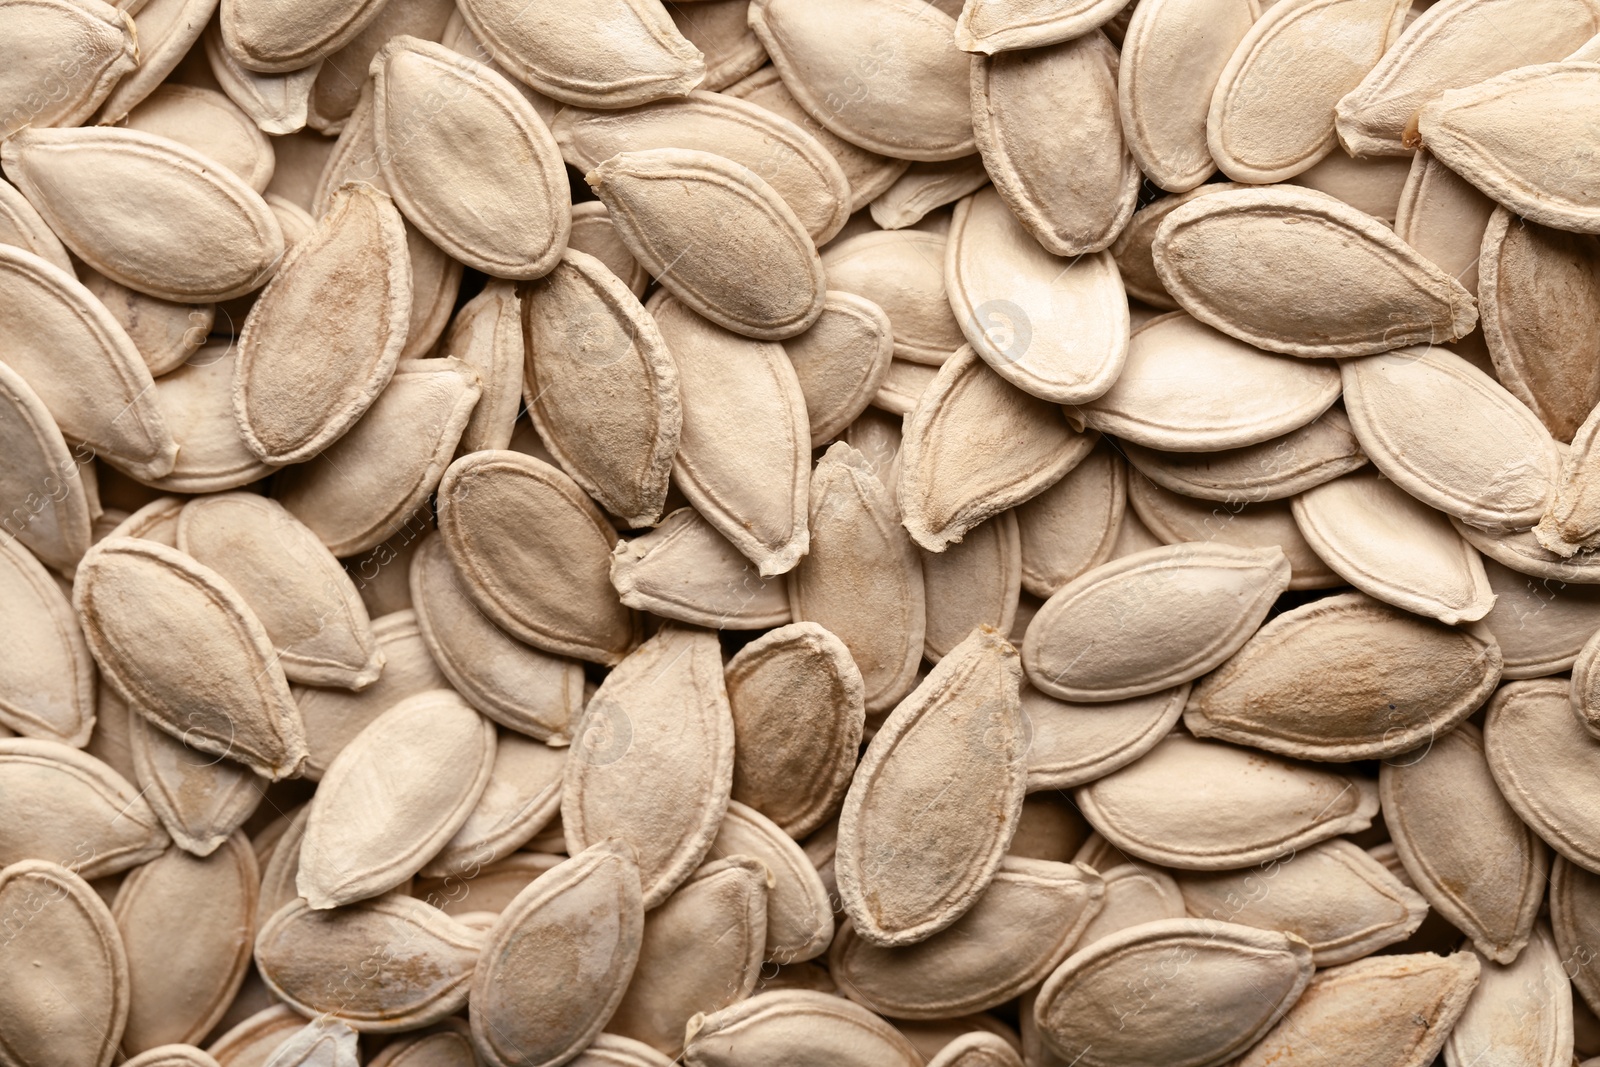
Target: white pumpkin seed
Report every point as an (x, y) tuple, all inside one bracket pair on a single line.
[(339, 86), (798, 1027), (593, 234), (47, 678), (522, 796), (1523, 553), (1541, 758), (721, 30), (200, 799), (208, 122), (1572, 895), (685, 570), (197, 400), (1442, 216), (276, 103), (1133, 251), (281, 870), (977, 1049), (254, 1040), (284, 36), (320, 1043), (165, 333), (1070, 744), (1071, 526), (70, 808), (973, 583), (926, 186), (486, 335), (164, 31), (902, 271), (1372, 184), (799, 913), (991, 26), (77, 51), (1521, 1011), (841, 362), (1540, 626)]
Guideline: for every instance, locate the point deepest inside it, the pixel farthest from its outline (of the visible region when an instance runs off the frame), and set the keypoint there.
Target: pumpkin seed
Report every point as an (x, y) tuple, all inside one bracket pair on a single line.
[(1522, 553), (1442, 216), (47, 679), (164, 32), (273, 38), (197, 401), (165, 333), (1133, 246), (486, 335), (925, 187), (70, 808), (593, 234), (363, 835), (445, 1046), (201, 801), (276, 103), (978, 1049), (841, 362), (973, 583), (254, 1040), (1540, 755), (1071, 526), (208, 122), (685, 570), (490, 887), (799, 1027), (321, 1043), (799, 914), (1572, 891), (1541, 627), (1261, 809), (1134, 895), (1070, 744), (338, 88), (281, 870), (902, 271), (913, 854), (1520, 1010), (79, 51), (20, 225), (1373, 184), (991, 26), (521, 798), (721, 30)]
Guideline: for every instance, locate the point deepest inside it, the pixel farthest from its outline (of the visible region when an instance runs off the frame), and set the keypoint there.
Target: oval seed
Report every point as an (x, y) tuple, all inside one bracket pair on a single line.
[(841, 362), (197, 400), (339, 86), (1572, 914), (209, 123), (885, 76), (1133, 246), (1384, 542), (1134, 894), (1172, 58), (1121, 1000), (79, 50), (165, 333), (685, 570), (799, 914), (1542, 759), (47, 678), (602, 387), (1523, 553), (1346, 678), (290, 398), (973, 583), (486, 335), (783, 1026), (522, 796), (797, 703), (1259, 807), (721, 30), (70, 808), (664, 201), (82, 364), (187, 925), (1057, 329), (323, 962), (918, 848), (902, 271), (558, 960), (445, 1046), (799, 169), (1442, 216), (200, 799), (216, 239), (744, 451), (276, 103), (989, 955), (991, 26), (490, 890), (1072, 186), (652, 762), (702, 948), (516, 685), (1570, 523), (1541, 627), (1334, 896), (394, 796), (977, 1049), (594, 234), (208, 675), (1151, 621), (1371, 184), (1072, 526), (925, 187), (1463, 43), (66, 994), (862, 580), (1231, 262), (283, 36), (1271, 113), (304, 599), (1520, 1010), (1070, 744), (1489, 883), (254, 1040), (1413, 412)]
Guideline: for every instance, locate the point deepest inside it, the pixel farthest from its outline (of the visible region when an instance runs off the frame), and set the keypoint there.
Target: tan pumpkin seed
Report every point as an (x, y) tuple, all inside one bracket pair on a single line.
[(685, 570), (1072, 186), (370, 483), (507, 209), (611, 1050), (662, 712), (1572, 896), (1442, 216), (1116, 1002), (862, 579), (540, 590), (1177, 519), (721, 30), (593, 234), (884, 75), (1015, 301), (915, 854), (304, 599), (925, 187), (1151, 621), (1541, 757), (449, 1045), (1412, 410), (77, 51), (702, 948), (1134, 894), (1229, 260), (187, 925), (1072, 526), (320, 1043), (1584, 698), (491, 888), (200, 799), (1521, 1011), (521, 798), (1488, 884), (47, 678), (798, 169), (796, 1026), (841, 362), (284, 36), (1260, 808), (82, 364), (364, 835), (276, 103), (1373, 184), (977, 1049), (967, 409), (1346, 678), (799, 913), (253, 1041), (323, 962), (989, 955), (164, 31), (903, 386), (208, 122), (1271, 113), (281, 869), (1462, 43), (973, 583), (1540, 626), (20, 225), (339, 87), (1132, 248), (1049, 827), (1334, 896), (70, 808), (1421, 997), (1523, 553), (358, 316), (559, 959), (601, 386), (197, 400), (875, 434), (664, 201), (1070, 744), (1387, 544), (66, 994), (1570, 523), (486, 335), (1172, 58), (514, 684), (301, 157), (333, 717), (744, 452), (796, 699), (165, 333), (201, 234), (208, 674), (903, 273), (991, 26)]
